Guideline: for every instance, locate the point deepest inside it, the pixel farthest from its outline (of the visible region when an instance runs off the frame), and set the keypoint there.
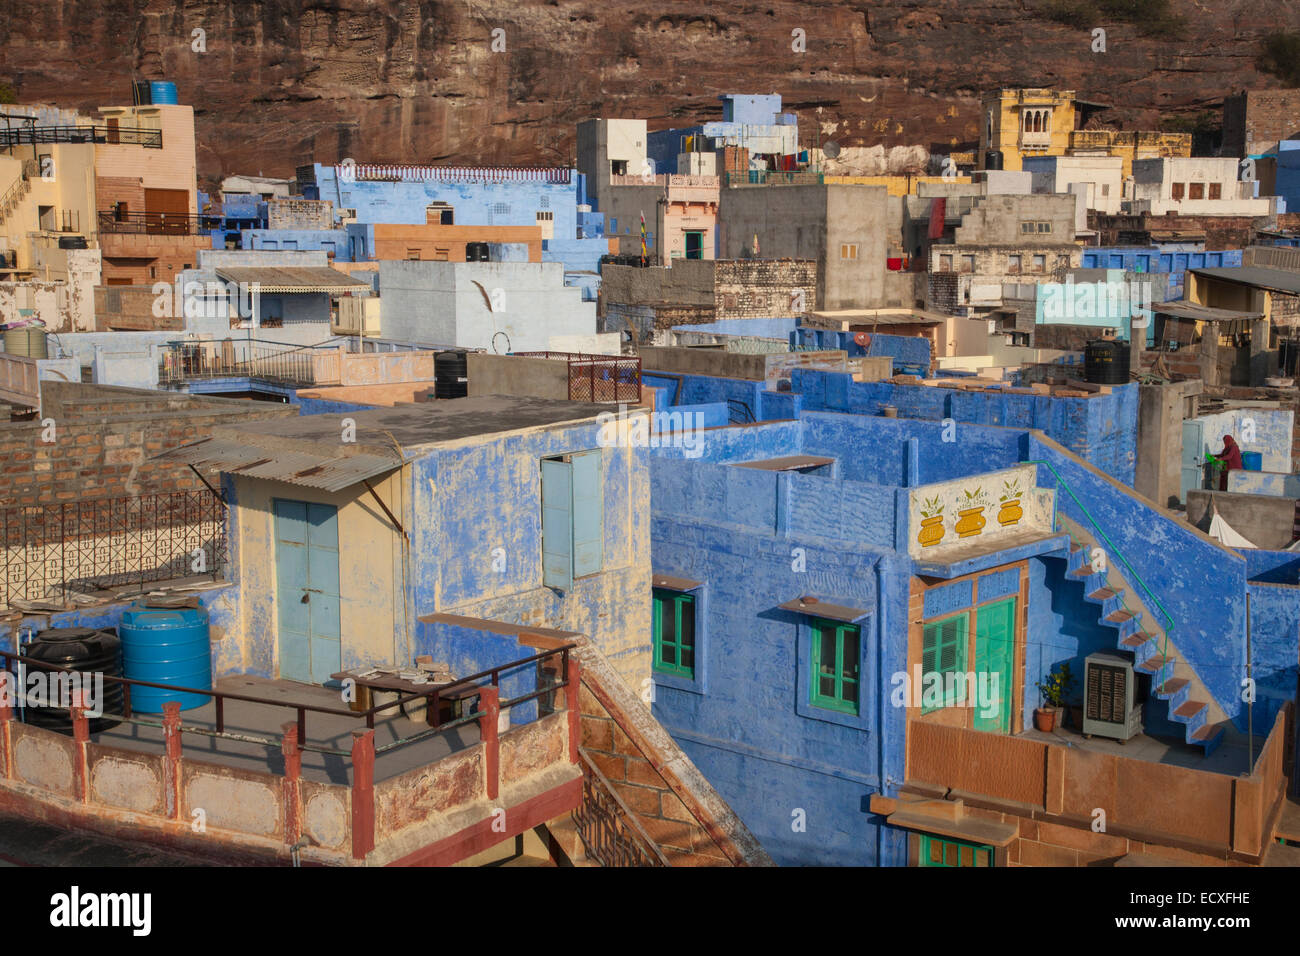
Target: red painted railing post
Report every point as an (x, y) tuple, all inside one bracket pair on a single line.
[(172, 761), (292, 772), (8, 693), (489, 700), (572, 677), (80, 737), (363, 793)]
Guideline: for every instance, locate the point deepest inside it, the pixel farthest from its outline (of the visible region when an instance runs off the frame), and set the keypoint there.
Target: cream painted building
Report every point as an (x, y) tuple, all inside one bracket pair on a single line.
[(1194, 186)]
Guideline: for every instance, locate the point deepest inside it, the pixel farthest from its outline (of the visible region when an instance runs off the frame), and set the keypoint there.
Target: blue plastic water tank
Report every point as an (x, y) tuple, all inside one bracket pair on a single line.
[(163, 93), (1252, 460), (166, 646)]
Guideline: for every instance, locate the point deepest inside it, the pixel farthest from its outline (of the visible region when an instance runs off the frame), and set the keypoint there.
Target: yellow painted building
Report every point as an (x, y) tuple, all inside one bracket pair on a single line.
[(896, 185), (1022, 123), (46, 191), (1025, 122)]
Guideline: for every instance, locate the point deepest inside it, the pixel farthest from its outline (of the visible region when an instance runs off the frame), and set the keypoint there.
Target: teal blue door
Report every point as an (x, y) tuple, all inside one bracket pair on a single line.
[(307, 590)]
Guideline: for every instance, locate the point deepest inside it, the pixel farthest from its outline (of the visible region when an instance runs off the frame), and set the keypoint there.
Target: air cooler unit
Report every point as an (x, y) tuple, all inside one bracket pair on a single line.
[(1109, 707)]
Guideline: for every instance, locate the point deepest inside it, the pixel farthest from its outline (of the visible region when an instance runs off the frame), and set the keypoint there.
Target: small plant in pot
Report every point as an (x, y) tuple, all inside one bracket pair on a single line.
[(1055, 691)]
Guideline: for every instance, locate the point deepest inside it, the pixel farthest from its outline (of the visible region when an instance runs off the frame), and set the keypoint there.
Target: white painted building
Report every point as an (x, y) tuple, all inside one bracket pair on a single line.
[(1194, 186)]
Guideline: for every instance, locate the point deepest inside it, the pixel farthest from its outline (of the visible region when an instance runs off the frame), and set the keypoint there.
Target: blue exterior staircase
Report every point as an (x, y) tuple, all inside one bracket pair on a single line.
[(1145, 648)]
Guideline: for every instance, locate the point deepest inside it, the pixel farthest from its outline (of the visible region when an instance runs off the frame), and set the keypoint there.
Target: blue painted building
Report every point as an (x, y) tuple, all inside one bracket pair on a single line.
[(1101, 429), (1158, 260), (554, 199), (441, 518), (809, 572), (753, 122)]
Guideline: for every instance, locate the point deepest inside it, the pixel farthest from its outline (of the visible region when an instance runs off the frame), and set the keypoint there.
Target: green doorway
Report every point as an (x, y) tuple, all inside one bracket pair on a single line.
[(995, 644)]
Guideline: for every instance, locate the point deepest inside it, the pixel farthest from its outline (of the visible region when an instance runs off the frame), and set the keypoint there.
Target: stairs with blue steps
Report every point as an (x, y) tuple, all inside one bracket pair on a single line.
[(1144, 645)]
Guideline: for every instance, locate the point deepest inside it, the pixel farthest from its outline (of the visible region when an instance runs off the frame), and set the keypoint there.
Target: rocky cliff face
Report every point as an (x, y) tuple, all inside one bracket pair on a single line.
[(279, 82)]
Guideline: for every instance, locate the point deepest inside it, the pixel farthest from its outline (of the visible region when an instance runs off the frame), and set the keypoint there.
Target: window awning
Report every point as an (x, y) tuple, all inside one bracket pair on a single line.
[(295, 467), (824, 609), (303, 279)]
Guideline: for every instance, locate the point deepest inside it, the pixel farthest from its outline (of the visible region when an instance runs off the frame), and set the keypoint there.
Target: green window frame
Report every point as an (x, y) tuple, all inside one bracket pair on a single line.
[(943, 851), (836, 662), (674, 633), (944, 647)]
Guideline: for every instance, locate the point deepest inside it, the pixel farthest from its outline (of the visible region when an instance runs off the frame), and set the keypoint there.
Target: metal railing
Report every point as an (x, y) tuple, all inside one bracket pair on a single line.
[(598, 378), (184, 362), (772, 177), (431, 697), (151, 223), (112, 135), (610, 831), (109, 543)]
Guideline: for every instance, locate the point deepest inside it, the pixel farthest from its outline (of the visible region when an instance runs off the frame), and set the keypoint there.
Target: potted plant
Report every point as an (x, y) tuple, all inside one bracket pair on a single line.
[(1055, 690), (931, 522)]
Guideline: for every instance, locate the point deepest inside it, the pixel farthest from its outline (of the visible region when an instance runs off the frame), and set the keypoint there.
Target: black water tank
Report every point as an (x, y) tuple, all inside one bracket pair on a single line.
[(1105, 362), (85, 650), (450, 375), (477, 252), (141, 94), (72, 242), (992, 159)]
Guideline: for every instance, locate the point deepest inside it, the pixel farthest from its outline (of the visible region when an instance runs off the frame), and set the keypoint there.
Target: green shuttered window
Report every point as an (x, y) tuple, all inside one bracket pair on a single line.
[(943, 651), (674, 633), (836, 654)]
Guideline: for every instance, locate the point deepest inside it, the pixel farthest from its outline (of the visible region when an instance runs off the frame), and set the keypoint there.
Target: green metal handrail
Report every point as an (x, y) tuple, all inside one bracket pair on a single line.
[(1169, 621)]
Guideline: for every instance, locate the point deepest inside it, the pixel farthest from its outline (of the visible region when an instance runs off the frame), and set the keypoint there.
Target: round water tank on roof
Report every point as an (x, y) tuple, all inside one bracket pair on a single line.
[(86, 651), (992, 159), (166, 646), (450, 375), (163, 92), (1106, 362), (140, 93), (30, 341)]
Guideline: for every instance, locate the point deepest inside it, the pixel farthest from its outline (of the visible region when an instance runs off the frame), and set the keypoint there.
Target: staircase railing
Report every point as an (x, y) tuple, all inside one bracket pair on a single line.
[(610, 832), (1065, 485)]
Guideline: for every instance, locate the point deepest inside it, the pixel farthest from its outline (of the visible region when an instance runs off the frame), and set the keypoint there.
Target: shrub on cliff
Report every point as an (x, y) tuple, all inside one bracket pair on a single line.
[(1281, 56)]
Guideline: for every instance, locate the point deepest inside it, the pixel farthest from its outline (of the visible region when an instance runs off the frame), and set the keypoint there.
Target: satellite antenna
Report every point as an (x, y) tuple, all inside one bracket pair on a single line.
[(831, 149)]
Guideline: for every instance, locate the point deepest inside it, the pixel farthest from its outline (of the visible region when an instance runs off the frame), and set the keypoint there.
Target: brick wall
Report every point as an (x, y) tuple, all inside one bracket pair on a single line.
[(764, 288), (1221, 232), (142, 259), (102, 439), (944, 296), (1067, 338), (300, 214), (1254, 121), (131, 308), (110, 190)]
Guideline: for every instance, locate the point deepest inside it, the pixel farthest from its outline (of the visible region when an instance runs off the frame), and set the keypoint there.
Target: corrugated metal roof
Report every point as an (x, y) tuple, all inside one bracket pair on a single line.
[(1202, 313), (1278, 280), (301, 279), (295, 467)]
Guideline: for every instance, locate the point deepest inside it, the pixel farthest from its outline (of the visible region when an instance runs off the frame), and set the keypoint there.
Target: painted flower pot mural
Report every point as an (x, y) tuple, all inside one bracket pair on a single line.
[(1010, 512), (970, 513), (931, 523)]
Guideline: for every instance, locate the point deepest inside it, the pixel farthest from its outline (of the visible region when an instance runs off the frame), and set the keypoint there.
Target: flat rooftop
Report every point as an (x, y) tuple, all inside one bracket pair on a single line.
[(424, 423)]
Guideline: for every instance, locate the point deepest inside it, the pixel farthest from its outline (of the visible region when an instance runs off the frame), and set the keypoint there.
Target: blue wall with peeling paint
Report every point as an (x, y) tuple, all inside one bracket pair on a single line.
[(1202, 586), (1274, 626)]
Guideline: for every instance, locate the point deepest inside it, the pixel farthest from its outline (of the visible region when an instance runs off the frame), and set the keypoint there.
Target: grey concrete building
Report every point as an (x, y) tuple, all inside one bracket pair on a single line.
[(844, 228)]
